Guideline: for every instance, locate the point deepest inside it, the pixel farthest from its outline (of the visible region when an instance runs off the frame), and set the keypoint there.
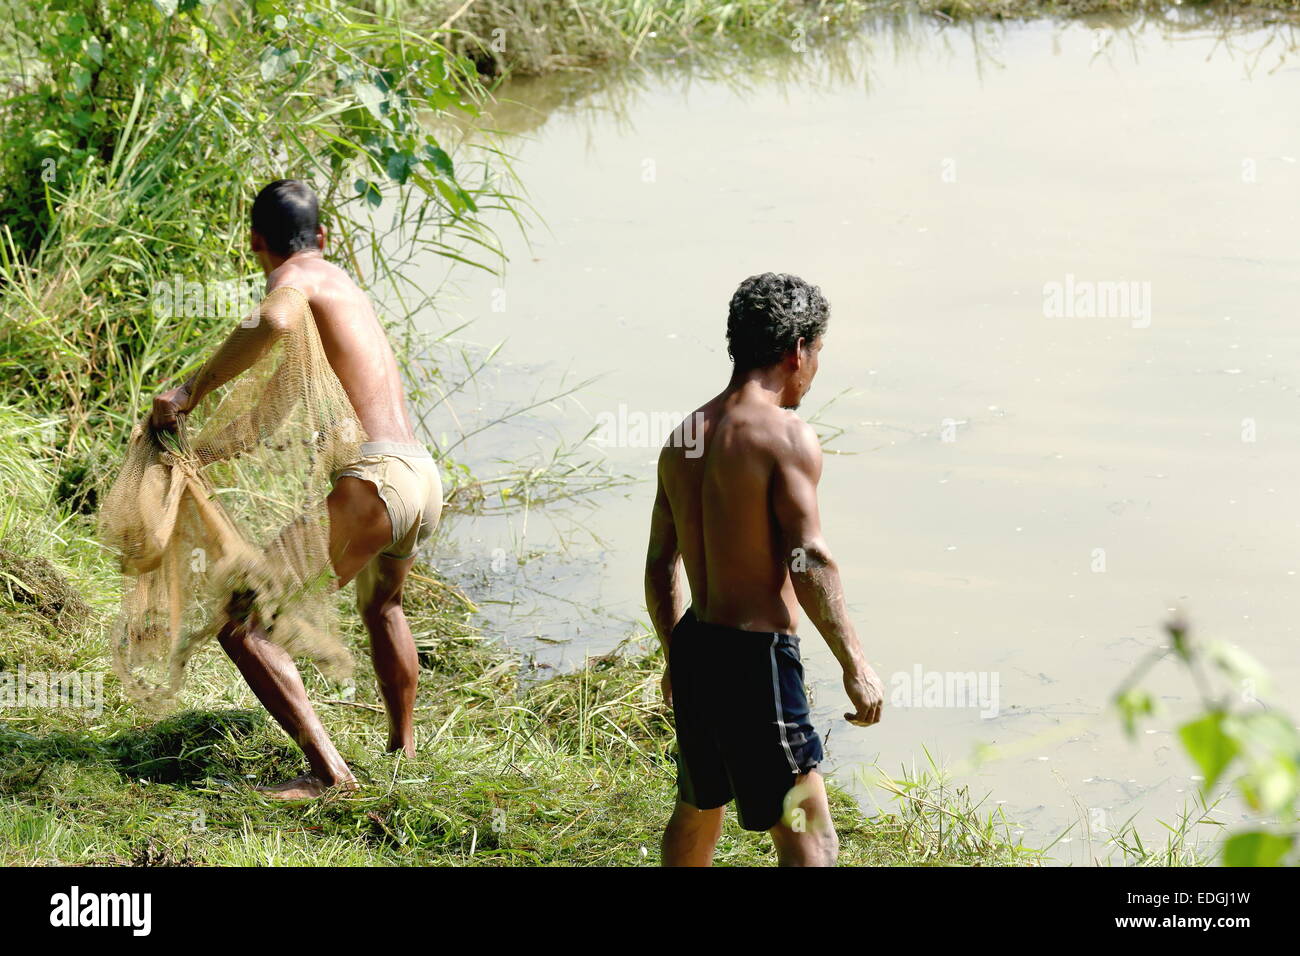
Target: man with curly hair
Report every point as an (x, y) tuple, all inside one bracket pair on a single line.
[(737, 506)]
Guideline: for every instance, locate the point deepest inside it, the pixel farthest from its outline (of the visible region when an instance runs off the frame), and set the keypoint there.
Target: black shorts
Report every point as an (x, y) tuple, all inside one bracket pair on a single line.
[(743, 730)]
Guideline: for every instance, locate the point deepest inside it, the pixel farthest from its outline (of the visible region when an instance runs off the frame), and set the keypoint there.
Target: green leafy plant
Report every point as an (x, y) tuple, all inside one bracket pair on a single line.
[(137, 134), (1238, 741)]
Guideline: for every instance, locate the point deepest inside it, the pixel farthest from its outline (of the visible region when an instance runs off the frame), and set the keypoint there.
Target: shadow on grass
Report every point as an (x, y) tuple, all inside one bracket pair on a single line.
[(180, 749)]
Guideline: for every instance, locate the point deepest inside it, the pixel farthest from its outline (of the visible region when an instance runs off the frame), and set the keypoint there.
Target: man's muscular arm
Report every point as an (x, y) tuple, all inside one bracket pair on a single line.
[(813, 572), (665, 598), (241, 349)]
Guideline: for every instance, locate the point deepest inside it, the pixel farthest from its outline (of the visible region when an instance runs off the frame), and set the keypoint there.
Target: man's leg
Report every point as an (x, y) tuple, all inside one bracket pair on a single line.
[(359, 528), (392, 648), (806, 836), (692, 835), (270, 672)]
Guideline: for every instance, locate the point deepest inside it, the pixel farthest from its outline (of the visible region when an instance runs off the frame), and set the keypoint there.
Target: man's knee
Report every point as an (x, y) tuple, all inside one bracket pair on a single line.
[(376, 610), (379, 591)]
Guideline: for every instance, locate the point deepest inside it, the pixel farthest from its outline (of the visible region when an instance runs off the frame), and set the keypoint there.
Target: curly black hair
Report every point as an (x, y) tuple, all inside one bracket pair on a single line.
[(769, 313)]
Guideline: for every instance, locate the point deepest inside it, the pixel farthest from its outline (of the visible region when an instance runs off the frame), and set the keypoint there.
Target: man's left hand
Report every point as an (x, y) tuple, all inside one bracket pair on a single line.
[(168, 407)]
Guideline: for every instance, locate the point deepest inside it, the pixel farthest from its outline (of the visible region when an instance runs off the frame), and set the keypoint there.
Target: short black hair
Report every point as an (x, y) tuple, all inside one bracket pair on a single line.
[(769, 313), (286, 214)]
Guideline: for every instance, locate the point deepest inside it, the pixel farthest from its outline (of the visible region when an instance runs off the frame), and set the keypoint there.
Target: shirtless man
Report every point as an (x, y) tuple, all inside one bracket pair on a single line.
[(382, 507), (737, 506)]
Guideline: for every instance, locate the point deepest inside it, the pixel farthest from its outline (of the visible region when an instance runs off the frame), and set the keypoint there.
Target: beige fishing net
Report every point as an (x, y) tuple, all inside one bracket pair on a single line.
[(228, 515)]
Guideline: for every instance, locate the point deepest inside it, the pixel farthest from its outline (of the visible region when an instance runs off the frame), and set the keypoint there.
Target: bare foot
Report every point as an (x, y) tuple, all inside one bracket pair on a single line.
[(407, 747), (302, 788)]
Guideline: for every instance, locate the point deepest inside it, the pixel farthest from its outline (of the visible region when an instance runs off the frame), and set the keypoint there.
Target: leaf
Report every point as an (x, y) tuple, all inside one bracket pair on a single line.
[(1256, 848), (1270, 786), (1208, 744), (1132, 704), (399, 166), (166, 7), (451, 194), (276, 61), (440, 160), (370, 191), (1267, 732), (370, 97)]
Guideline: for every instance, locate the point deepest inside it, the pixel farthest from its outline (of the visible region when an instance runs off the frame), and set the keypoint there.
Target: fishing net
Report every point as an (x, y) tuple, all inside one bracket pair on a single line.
[(227, 518)]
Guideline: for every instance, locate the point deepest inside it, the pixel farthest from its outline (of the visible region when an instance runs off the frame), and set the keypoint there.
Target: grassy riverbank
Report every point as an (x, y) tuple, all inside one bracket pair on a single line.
[(572, 770), (530, 37), (137, 135), (1236, 10), (524, 37)]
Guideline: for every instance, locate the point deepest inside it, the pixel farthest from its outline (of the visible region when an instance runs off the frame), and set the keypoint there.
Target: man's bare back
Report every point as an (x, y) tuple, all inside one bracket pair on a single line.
[(355, 344), (721, 491)]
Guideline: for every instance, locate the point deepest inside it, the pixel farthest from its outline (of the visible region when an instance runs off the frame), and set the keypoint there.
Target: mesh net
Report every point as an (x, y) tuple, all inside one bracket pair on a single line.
[(227, 518)]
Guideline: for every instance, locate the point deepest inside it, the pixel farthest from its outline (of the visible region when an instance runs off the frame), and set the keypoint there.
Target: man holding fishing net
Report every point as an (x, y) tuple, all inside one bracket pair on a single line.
[(737, 506), (318, 479)]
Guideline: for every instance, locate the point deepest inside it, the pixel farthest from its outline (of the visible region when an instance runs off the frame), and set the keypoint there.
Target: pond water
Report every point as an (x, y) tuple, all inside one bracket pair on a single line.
[(1061, 260)]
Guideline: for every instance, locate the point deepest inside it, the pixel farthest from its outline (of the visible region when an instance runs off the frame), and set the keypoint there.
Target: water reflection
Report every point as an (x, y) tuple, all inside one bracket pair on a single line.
[(1255, 39)]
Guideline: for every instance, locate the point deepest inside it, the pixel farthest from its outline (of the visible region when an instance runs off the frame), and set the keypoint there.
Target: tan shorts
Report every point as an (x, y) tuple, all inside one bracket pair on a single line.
[(406, 477)]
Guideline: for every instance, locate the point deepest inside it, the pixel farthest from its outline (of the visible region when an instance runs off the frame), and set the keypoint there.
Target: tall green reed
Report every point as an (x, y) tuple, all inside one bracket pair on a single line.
[(141, 132)]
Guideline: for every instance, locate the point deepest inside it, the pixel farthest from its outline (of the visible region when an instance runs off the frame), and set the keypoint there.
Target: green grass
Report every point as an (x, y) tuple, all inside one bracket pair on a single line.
[(573, 771)]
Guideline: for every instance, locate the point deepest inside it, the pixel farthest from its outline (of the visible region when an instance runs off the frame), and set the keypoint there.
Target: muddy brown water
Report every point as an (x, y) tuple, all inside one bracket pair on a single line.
[(1062, 262)]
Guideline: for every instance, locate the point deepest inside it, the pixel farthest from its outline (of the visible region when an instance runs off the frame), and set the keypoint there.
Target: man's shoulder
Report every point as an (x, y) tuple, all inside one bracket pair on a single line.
[(314, 278), (793, 439), (283, 306), (779, 428)]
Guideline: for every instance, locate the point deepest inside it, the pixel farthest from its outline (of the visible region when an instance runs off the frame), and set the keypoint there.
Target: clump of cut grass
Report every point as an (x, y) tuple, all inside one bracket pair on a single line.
[(31, 580)]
